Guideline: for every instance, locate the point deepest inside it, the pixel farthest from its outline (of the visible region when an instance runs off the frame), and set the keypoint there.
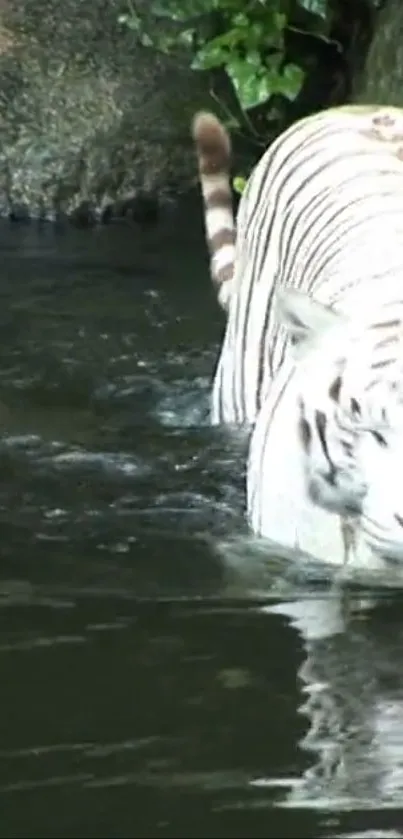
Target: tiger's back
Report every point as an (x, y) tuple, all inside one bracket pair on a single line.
[(320, 213)]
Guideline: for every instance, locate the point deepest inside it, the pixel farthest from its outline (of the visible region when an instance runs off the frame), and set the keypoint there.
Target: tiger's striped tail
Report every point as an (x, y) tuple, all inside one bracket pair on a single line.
[(213, 148)]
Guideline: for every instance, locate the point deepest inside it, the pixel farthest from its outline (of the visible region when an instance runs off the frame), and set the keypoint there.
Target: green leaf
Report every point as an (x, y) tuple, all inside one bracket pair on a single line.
[(209, 56), (274, 61), (241, 20), (239, 184), (290, 81), (185, 38), (180, 10), (132, 21), (316, 7), (279, 20), (228, 39), (252, 86), (254, 60), (257, 30), (165, 42), (146, 40), (216, 52)]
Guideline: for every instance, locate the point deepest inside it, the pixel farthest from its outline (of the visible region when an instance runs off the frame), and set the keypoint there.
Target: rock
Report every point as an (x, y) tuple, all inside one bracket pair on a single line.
[(93, 125)]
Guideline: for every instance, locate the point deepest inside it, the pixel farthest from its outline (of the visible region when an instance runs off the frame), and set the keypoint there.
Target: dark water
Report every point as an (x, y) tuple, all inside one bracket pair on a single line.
[(153, 683)]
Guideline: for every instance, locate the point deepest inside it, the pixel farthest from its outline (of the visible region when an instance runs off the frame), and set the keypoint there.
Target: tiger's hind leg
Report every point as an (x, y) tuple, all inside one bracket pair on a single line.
[(348, 541), (348, 535)]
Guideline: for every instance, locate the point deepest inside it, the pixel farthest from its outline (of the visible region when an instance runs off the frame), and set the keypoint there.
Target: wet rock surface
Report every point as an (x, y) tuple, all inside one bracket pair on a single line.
[(93, 125)]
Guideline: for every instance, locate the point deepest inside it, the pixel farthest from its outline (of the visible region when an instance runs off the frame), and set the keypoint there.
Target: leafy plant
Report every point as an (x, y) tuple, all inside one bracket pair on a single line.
[(246, 39), (239, 184)]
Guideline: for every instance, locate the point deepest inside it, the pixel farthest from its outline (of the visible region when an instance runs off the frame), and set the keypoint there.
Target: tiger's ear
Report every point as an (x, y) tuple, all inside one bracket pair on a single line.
[(306, 319)]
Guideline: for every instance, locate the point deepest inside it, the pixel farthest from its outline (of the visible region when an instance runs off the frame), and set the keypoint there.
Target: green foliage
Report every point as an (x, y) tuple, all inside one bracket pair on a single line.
[(239, 184), (245, 39)]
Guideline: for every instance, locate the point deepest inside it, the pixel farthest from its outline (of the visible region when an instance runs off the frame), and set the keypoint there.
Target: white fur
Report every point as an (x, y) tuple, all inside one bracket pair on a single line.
[(212, 183), (224, 294), (323, 213), (218, 219), (281, 509), (283, 513), (222, 258)]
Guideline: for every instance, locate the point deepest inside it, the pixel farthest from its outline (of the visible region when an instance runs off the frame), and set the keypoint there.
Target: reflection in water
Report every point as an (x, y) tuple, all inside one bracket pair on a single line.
[(351, 680)]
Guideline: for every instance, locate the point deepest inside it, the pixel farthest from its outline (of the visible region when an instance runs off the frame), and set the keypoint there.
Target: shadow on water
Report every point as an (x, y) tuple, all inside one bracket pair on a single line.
[(148, 688)]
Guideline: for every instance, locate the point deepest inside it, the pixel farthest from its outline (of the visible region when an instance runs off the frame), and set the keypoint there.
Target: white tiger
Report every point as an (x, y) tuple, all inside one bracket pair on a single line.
[(318, 257)]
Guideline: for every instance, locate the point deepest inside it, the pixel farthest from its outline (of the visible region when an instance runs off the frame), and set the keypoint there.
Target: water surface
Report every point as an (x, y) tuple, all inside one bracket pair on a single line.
[(153, 684)]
